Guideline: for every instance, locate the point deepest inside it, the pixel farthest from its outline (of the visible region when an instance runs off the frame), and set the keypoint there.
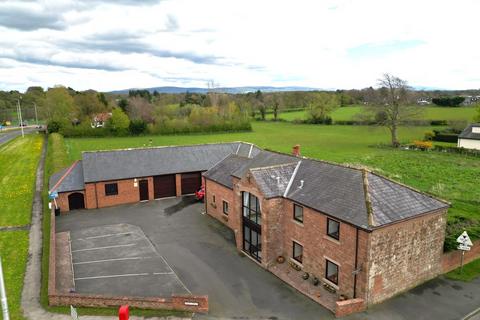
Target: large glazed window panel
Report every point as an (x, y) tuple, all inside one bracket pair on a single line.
[(111, 189), (251, 208), (333, 228), (331, 272)]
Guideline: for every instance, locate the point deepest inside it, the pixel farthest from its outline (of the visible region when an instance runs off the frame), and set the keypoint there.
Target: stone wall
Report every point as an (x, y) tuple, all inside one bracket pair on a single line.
[(404, 255)]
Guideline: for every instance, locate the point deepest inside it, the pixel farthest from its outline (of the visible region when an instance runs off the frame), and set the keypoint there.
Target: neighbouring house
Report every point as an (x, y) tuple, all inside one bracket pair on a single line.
[(100, 119), (470, 137), (331, 231)]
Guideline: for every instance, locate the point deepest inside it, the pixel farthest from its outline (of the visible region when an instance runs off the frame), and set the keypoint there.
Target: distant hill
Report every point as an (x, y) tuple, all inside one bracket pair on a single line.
[(223, 89)]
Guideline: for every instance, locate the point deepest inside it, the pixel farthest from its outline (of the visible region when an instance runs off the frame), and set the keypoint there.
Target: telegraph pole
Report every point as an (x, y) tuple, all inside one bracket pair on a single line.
[(36, 116), (20, 117), (3, 295)]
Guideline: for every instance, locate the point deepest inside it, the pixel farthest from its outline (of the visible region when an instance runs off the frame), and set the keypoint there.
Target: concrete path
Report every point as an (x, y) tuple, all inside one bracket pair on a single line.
[(31, 287)]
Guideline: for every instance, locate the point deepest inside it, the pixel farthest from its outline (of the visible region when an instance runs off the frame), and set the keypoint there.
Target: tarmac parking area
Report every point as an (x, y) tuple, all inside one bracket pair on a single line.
[(120, 260)]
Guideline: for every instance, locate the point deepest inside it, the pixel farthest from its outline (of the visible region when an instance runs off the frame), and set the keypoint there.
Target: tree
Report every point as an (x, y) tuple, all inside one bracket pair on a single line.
[(319, 105), (275, 101), (118, 122), (392, 105), (88, 104), (59, 105), (260, 104), (123, 104), (140, 108)]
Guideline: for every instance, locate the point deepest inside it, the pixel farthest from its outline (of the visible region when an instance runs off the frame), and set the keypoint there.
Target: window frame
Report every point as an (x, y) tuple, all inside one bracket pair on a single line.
[(327, 262), (247, 208), (223, 207), (294, 244), (294, 215), (110, 193), (332, 235)]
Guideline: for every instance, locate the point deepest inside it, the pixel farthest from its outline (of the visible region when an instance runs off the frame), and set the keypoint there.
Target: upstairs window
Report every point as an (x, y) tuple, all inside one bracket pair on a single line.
[(298, 213), (251, 208), (111, 189), (225, 207), (333, 228)]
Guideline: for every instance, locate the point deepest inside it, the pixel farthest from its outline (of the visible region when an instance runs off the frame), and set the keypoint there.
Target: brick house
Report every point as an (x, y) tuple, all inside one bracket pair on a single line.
[(357, 235)]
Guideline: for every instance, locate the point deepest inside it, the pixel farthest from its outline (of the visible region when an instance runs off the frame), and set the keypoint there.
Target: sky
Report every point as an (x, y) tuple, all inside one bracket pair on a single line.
[(329, 44)]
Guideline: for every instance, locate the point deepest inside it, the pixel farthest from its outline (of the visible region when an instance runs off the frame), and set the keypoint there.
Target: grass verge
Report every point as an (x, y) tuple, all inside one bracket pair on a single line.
[(18, 163), (57, 159), (470, 271)]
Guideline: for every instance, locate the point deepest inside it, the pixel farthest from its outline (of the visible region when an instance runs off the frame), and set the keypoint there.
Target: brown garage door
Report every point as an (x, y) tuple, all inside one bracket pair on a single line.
[(164, 186), (191, 182)]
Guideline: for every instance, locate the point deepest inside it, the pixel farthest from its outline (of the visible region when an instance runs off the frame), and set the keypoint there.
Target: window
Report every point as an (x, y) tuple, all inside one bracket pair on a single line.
[(332, 272), (333, 228), (213, 199), (298, 213), (111, 189), (297, 252), (251, 208), (225, 207)]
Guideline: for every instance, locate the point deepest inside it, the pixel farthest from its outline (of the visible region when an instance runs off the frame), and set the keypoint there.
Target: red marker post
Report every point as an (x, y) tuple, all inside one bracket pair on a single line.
[(123, 313)]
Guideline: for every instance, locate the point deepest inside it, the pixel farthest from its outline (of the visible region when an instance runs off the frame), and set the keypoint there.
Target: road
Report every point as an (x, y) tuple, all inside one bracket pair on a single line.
[(6, 136)]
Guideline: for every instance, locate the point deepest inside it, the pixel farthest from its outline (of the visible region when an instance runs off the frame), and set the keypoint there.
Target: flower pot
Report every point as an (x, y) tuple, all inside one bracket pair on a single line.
[(305, 276), (280, 259), (315, 281)]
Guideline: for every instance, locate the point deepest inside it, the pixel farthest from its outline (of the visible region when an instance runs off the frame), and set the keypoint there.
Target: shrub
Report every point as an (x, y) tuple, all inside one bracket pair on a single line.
[(423, 145), (54, 126), (137, 127), (429, 136), (118, 123)]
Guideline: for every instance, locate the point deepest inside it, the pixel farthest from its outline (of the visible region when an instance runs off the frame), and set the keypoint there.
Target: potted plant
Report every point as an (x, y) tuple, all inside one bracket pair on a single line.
[(315, 281), (305, 276), (342, 297), (280, 259)]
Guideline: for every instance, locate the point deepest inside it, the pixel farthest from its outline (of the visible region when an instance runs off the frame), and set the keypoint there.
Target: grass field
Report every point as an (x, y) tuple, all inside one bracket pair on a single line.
[(470, 271), (449, 176), (18, 163), (350, 113)]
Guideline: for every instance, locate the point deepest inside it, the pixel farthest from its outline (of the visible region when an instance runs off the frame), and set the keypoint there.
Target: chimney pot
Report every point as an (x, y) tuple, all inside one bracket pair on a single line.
[(296, 150)]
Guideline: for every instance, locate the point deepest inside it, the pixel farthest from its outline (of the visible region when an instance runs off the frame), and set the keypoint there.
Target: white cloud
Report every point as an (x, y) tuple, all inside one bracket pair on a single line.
[(109, 45)]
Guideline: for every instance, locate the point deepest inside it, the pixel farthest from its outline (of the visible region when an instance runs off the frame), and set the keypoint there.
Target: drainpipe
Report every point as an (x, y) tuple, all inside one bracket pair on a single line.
[(205, 196), (356, 266)]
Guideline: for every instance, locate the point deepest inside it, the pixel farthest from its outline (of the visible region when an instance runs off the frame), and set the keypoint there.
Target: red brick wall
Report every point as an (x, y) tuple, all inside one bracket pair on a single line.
[(404, 255), (346, 307), (451, 260), (317, 247)]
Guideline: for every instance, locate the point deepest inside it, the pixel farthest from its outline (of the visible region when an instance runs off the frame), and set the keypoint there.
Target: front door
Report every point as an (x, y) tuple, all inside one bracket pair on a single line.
[(143, 186), (252, 226)]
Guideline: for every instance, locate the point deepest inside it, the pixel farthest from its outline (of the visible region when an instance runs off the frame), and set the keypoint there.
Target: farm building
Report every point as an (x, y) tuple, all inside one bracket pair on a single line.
[(470, 137), (358, 234)]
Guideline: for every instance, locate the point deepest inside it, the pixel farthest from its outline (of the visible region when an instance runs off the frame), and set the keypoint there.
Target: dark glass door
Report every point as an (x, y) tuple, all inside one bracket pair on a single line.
[(143, 186), (252, 239)]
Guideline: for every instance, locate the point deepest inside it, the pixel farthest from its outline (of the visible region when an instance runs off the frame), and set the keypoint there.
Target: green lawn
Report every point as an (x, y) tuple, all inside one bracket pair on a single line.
[(18, 163), (13, 251), (449, 176), (350, 113), (470, 271)]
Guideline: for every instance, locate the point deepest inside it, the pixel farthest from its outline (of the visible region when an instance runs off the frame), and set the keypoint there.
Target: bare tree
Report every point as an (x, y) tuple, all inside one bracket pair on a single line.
[(393, 105)]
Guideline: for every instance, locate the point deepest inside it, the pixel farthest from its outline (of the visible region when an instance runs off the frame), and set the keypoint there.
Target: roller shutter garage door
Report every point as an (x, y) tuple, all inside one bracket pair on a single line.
[(191, 182), (164, 186)]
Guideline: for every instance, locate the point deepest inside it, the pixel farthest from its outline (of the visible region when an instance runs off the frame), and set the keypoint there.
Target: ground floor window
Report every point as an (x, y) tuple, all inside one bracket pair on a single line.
[(331, 272), (252, 239), (297, 252), (111, 189), (225, 207)]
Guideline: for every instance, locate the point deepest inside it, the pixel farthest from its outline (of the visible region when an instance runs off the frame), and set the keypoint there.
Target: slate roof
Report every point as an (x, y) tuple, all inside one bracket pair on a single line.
[(336, 190), (73, 181), (468, 133), (133, 163)]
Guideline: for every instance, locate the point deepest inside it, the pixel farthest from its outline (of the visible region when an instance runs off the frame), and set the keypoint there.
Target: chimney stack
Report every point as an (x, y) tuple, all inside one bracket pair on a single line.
[(296, 150)]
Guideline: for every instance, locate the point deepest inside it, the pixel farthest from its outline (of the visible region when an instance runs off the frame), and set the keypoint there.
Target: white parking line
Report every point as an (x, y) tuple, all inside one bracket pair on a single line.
[(161, 273), (176, 276), (108, 260), (114, 276), (105, 236), (108, 247)]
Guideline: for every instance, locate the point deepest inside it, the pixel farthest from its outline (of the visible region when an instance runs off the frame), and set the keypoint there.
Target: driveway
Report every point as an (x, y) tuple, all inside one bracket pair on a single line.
[(202, 254), (199, 250)]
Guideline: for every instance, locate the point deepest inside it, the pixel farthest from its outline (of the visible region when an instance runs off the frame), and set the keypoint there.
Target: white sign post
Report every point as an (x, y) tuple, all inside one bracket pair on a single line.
[(3, 294), (73, 313), (464, 244)]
